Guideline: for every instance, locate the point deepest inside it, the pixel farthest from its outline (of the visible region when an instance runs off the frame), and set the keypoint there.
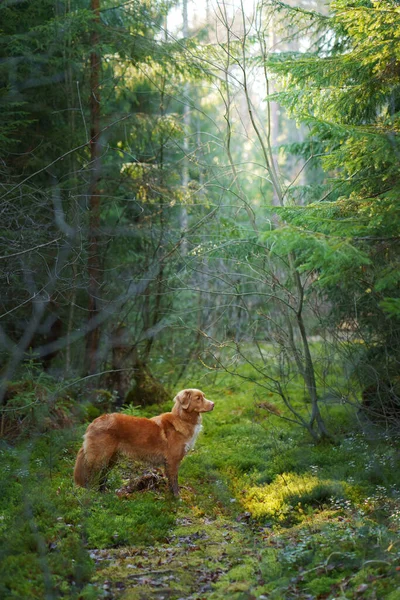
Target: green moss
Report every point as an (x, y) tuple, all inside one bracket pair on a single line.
[(322, 585), (136, 521), (262, 509), (240, 574)]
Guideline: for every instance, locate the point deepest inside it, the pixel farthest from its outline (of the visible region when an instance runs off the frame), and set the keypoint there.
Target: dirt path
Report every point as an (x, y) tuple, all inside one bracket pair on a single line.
[(202, 558)]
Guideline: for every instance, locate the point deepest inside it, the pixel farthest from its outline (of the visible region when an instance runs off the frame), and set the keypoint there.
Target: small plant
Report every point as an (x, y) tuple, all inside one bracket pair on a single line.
[(131, 410)]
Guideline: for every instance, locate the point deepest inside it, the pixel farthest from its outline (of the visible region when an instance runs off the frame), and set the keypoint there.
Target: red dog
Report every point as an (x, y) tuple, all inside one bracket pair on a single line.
[(161, 440)]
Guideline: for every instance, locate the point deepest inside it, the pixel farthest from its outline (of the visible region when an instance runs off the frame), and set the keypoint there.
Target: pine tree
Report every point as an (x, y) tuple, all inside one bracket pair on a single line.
[(347, 90)]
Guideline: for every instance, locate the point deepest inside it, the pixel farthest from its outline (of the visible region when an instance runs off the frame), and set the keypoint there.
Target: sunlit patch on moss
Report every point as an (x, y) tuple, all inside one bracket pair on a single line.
[(286, 497)]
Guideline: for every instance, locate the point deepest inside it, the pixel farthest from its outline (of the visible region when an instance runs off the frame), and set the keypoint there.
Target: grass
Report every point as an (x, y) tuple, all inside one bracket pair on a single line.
[(264, 513)]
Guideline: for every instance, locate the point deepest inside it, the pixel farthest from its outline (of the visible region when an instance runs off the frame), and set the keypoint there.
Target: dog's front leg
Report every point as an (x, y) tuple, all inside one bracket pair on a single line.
[(171, 468)]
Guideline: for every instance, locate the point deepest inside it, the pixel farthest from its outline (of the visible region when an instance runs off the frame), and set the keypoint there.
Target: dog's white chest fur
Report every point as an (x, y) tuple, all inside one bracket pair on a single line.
[(189, 444)]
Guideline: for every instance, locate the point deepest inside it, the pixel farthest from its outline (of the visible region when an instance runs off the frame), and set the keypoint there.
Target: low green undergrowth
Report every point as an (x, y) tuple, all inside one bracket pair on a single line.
[(264, 513)]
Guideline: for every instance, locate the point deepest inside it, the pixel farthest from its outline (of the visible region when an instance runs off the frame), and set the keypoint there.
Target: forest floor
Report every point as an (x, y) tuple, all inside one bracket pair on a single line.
[(263, 513)]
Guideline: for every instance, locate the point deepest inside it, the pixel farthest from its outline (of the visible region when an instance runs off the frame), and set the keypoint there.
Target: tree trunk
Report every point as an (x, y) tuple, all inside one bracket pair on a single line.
[(71, 86), (309, 370), (93, 335), (186, 126)]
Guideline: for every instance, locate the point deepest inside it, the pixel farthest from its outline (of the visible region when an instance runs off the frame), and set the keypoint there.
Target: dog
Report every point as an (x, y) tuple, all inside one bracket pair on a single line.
[(164, 439)]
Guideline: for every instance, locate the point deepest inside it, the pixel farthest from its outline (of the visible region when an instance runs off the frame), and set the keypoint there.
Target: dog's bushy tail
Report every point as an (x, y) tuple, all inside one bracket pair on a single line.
[(81, 471)]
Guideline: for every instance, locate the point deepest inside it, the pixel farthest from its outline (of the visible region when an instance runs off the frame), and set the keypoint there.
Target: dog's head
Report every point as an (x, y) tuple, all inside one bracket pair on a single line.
[(194, 401)]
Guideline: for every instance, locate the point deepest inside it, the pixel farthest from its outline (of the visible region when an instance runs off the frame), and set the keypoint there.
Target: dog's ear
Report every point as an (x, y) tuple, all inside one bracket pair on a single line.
[(184, 397)]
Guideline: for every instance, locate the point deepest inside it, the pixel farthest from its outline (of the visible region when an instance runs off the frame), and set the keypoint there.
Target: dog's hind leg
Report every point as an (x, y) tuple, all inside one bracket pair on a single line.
[(104, 473)]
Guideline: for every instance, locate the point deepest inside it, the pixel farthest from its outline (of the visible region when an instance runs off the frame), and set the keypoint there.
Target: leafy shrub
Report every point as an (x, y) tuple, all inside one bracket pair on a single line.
[(34, 405)]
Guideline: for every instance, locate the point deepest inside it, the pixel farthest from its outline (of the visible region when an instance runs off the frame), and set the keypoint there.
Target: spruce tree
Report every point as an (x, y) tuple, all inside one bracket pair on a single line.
[(347, 90)]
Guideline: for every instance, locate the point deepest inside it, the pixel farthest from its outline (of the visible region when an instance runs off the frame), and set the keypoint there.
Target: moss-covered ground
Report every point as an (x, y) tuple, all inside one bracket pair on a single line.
[(264, 513)]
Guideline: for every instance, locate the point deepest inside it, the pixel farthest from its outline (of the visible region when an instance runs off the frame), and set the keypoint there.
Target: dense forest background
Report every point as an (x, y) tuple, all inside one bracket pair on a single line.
[(200, 195)]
